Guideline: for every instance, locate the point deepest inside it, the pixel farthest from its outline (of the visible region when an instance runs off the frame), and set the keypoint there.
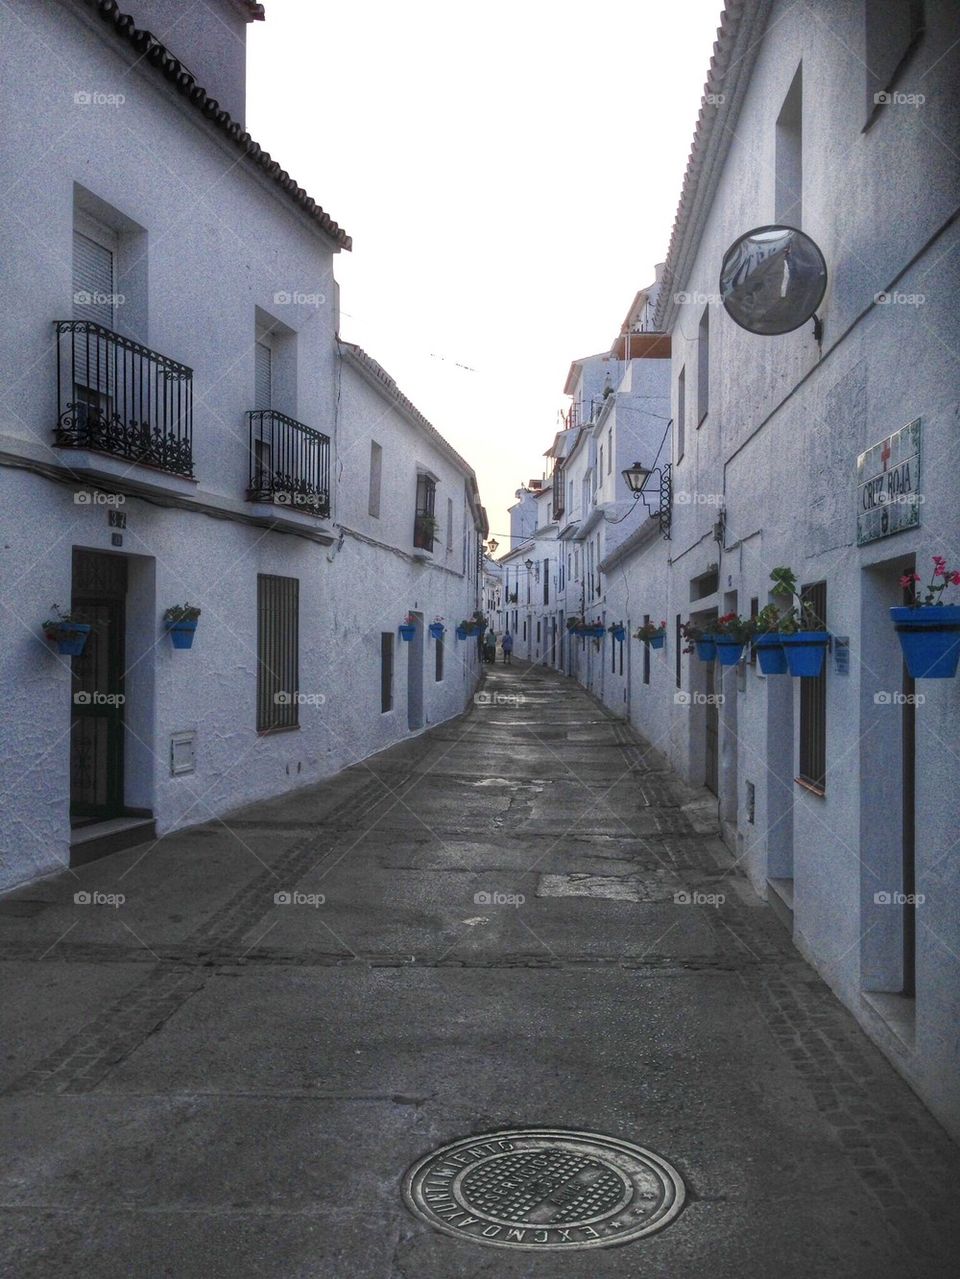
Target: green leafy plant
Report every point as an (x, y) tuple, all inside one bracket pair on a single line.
[(650, 630), (768, 619), (692, 633), (799, 616), (57, 621), (181, 613), (574, 622)]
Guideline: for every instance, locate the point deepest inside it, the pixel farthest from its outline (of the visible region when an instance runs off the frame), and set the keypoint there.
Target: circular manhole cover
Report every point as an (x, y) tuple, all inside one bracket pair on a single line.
[(544, 1188)]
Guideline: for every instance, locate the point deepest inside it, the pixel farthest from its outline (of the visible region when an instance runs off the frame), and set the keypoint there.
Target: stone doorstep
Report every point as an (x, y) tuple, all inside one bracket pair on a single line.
[(100, 839)]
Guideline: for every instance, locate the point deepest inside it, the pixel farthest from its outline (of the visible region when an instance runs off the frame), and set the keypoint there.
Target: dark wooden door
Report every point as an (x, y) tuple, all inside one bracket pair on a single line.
[(711, 733), (96, 737)]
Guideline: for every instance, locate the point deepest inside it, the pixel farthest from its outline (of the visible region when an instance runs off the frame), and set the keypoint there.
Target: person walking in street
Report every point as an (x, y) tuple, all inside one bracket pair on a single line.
[(490, 647), (507, 647)]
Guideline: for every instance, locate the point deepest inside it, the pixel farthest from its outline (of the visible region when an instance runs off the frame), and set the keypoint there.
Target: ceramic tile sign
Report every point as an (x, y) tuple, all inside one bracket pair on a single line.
[(888, 485)]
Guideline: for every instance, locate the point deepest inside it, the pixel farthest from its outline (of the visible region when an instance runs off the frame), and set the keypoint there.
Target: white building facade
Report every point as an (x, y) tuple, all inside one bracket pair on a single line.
[(180, 424)]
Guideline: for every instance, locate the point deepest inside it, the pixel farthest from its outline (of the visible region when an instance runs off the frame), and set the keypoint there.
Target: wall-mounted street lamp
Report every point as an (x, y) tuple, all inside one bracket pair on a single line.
[(636, 478), (528, 565), (492, 545)]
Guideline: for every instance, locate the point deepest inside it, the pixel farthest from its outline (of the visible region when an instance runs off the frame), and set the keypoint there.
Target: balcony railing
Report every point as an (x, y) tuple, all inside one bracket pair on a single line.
[(289, 463), (116, 396)]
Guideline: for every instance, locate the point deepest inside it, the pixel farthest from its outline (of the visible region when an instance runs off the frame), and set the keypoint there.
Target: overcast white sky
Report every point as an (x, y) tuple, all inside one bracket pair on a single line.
[(509, 173)]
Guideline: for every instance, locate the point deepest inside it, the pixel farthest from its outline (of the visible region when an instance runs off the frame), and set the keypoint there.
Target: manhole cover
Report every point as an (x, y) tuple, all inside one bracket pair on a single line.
[(544, 1189)]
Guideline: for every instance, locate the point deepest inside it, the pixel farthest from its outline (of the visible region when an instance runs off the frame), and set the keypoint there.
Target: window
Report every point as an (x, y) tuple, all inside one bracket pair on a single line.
[(613, 655), (681, 411), (893, 29), (813, 704), (278, 652), (703, 367), (93, 276), (263, 376), (788, 199), (386, 671), (524, 628), (754, 612), (449, 523), (609, 451), (424, 523), (621, 648), (600, 467), (438, 659), (376, 471), (646, 653), (546, 581)]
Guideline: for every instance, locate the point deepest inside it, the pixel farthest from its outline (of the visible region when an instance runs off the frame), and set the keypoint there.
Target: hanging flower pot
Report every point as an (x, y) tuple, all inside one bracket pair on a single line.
[(729, 650), (70, 636), (805, 651), (929, 630), (407, 631), (652, 634), (437, 629), (461, 633), (706, 648), (658, 641), (597, 632), (930, 639), (181, 623), (619, 633), (770, 654)]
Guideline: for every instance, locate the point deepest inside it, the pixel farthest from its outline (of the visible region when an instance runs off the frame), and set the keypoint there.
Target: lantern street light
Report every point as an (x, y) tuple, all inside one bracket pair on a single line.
[(636, 477), (492, 545)]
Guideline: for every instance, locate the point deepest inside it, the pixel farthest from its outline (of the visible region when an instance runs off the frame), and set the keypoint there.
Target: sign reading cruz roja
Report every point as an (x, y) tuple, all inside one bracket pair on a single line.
[(888, 485), (545, 1189)]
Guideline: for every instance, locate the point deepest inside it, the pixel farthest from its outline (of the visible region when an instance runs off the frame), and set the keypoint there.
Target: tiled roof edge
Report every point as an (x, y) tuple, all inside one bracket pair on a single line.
[(739, 37), (159, 56)]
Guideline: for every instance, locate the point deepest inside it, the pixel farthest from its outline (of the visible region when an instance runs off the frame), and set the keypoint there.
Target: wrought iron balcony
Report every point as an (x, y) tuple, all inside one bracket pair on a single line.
[(116, 396), (289, 463)]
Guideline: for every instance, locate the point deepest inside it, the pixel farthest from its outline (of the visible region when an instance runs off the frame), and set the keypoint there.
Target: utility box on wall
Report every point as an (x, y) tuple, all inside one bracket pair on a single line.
[(183, 752)]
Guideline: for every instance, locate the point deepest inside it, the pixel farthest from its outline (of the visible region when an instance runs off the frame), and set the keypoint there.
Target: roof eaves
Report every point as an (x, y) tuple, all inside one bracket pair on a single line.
[(738, 42), (151, 51)]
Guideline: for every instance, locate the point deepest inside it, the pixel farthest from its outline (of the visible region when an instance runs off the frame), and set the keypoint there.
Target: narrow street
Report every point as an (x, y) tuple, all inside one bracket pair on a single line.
[(518, 919)]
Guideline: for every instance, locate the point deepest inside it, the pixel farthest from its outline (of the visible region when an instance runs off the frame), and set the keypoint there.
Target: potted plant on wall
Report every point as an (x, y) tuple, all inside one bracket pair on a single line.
[(928, 629), (803, 635), (699, 640), (652, 633), (408, 627), (70, 635), (574, 623), (181, 623), (766, 642), (437, 628), (618, 631), (731, 634)]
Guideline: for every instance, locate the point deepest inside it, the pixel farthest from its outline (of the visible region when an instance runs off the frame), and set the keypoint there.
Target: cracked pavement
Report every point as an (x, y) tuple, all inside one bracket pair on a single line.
[(520, 918)]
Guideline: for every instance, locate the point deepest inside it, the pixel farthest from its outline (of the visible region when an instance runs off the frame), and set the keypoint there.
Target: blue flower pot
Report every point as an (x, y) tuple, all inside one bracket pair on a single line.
[(182, 633), (770, 654), (657, 641), (461, 633), (437, 629), (706, 649), (729, 650), (71, 638), (805, 651), (407, 632), (618, 633), (597, 632), (930, 639)]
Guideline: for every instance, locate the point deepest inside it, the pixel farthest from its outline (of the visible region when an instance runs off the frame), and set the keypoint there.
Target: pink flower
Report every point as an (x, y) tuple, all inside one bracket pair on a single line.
[(955, 578), (909, 578)]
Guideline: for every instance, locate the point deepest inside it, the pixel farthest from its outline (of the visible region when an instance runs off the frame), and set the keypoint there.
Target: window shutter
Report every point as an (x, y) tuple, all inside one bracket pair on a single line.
[(263, 377), (92, 281)]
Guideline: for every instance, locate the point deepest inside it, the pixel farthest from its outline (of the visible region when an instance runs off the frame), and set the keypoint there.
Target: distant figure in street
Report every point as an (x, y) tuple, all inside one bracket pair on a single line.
[(507, 647), (490, 647)]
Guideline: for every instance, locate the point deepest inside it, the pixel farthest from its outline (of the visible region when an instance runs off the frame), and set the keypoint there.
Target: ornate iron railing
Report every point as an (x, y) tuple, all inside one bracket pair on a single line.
[(116, 396), (289, 463)]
